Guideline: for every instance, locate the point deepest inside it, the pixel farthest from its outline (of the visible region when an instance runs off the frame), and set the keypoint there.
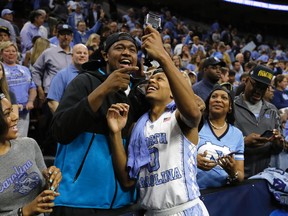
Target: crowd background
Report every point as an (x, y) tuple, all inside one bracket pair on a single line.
[(45, 43), (187, 41)]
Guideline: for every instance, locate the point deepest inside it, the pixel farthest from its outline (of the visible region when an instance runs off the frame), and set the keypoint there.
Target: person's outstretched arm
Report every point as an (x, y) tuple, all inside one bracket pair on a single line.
[(116, 118)]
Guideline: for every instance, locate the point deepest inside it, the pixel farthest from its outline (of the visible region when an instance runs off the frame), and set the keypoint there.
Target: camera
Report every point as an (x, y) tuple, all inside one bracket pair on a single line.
[(154, 20)]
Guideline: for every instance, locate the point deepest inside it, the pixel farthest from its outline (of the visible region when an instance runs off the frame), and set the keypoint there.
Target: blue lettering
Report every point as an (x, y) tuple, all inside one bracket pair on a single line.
[(169, 175), (146, 181), (163, 139), (177, 173), (141, 182), (18, 171), (158, 181), (151, 184), (154, 180), (157, 138)]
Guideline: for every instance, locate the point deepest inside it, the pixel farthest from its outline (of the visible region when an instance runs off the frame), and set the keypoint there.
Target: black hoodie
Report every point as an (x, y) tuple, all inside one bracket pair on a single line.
[(74, 115)]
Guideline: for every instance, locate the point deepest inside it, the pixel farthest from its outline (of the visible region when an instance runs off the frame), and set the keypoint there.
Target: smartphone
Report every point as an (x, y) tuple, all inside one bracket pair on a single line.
[(154, 20), (232, 153), (267, 134), (229, 154)]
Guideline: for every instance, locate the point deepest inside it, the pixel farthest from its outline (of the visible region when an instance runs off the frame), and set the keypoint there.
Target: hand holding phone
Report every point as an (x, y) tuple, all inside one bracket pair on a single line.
[(154, 20), (267, 134)]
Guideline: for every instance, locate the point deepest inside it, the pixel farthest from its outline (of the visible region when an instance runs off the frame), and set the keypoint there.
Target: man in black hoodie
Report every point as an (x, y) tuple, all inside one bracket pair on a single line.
[(89, 185)]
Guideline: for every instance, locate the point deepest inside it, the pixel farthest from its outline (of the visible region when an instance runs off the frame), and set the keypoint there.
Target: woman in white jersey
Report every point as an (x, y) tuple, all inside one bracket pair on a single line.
[(162, 148)]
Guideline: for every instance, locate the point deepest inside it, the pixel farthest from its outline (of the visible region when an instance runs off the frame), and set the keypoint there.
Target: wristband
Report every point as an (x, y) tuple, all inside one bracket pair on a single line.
[(231, 179)]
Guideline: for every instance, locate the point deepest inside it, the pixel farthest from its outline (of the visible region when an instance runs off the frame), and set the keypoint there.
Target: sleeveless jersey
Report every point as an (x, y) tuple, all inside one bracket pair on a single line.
[(170, 177)]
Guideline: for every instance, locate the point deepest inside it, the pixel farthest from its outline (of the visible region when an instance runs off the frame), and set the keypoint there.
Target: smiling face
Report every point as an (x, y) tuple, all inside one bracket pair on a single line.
[(219, 103), (158, 89), (9, 55), (121, 54), (11, 119), (79, 55)]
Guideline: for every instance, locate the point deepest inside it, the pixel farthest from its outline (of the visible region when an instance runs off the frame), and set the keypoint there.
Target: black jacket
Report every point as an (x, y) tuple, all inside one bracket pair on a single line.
[(74, 115)]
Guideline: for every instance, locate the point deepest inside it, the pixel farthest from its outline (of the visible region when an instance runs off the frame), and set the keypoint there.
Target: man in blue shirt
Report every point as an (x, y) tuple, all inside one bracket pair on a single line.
[(33, 28), (62, 78), (80, 31)]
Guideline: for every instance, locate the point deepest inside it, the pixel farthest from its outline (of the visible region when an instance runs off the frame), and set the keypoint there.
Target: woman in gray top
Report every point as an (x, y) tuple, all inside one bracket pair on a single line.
[(27, 187)]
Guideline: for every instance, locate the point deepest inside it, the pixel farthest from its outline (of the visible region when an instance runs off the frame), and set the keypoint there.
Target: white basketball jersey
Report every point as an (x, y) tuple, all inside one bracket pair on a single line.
[(170, 177)]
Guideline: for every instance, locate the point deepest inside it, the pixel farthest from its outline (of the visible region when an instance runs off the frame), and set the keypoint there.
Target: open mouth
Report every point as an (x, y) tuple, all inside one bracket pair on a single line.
[(125, 63), (151, 89)]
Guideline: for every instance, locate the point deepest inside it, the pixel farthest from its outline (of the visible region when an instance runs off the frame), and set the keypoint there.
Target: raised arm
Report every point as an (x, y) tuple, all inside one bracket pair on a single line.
[(82, 100), (116, 118), (182, 93)]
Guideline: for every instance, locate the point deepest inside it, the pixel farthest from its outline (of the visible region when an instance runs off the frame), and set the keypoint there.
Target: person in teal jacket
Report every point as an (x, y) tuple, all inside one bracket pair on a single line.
[(89, 185)]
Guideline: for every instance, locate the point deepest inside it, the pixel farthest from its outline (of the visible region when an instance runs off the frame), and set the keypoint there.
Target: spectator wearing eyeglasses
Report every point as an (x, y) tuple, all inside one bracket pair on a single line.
[(211, 76), (254, 116)]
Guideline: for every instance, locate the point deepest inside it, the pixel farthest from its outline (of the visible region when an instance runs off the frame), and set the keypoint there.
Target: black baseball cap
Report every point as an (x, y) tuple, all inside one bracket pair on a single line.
[(4, 29), (213, 61), (262, 74), (113, 38), (64, 28)]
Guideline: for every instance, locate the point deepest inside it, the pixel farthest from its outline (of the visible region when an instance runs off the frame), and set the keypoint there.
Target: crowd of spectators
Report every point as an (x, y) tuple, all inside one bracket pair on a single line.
[(43, 54)]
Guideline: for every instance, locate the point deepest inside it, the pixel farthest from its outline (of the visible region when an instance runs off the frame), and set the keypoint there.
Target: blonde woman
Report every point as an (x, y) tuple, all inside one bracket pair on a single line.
[(32, 55), (93, 43), (20, 83), (5, 90)]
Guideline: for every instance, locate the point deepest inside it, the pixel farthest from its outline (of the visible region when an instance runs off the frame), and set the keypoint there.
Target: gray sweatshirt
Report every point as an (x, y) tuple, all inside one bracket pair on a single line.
[(21, 179), (257, 158)]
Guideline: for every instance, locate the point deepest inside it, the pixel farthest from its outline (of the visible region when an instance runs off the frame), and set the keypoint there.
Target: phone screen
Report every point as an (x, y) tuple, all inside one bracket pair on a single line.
[(154, 20)]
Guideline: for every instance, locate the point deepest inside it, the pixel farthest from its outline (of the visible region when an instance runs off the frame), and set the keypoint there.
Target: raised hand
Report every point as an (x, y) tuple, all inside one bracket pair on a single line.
[(117, 116), (152, 43), (120, 78)]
